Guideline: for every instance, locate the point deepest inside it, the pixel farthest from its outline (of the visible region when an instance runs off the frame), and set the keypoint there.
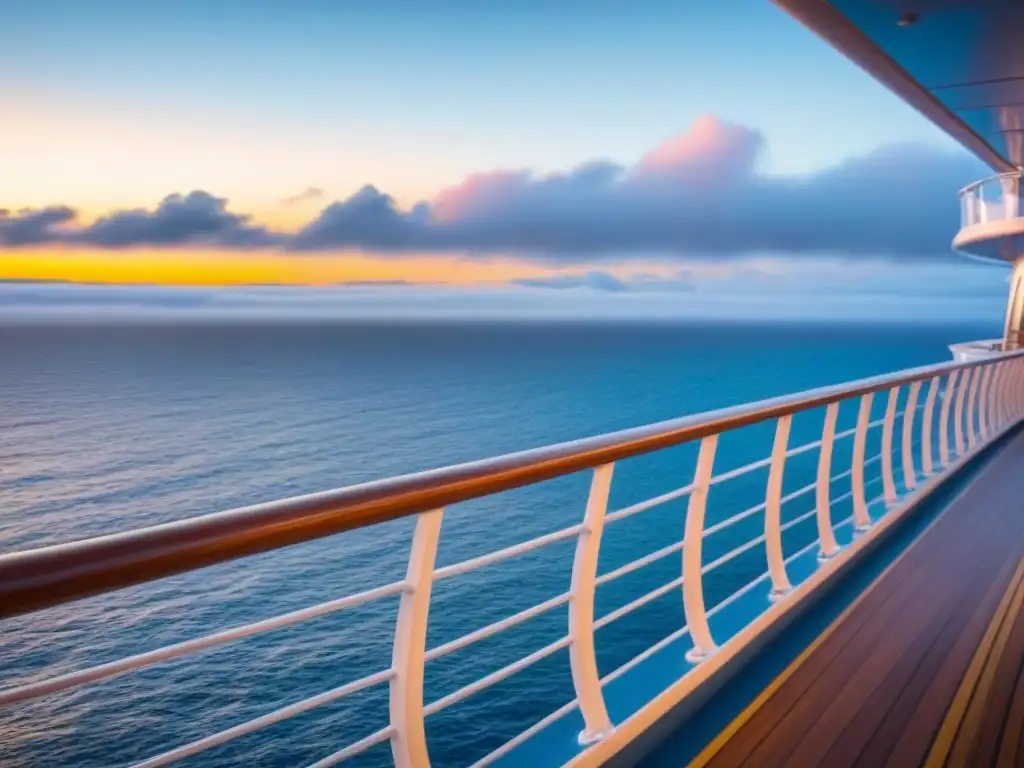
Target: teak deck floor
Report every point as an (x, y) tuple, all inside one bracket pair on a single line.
[(926, 667)]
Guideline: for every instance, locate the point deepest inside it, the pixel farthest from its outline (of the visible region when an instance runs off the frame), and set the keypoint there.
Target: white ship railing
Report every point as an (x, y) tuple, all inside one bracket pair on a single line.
[(996, 198), (948, 411)]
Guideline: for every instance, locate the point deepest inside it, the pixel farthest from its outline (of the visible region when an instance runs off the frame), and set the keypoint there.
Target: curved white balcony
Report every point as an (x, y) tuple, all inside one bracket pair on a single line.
[(991, 224)]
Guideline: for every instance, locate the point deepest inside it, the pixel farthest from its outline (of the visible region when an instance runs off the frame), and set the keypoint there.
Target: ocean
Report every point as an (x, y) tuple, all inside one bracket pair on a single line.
[(110, 427)]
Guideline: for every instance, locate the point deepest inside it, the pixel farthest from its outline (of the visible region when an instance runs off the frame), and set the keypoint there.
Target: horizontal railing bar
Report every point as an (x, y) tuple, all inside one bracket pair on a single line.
[(631, 606), (802, 551), (495, 677), (643, 506), (654, 501), (201, 745), (37, 578), (849, 519), (797, 520), (737, 551), (764, 576), (738, 594), (760, 463), (760, 507), (497, 626), (732, 553), (354, 749), (639, 563), (721, 525), (508, 552), (644, 655), (982, 182), (529, 733), (149, 658)]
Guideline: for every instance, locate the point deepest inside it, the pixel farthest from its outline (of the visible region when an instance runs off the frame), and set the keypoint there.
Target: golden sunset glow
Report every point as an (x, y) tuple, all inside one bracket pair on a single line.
[(216, 268)]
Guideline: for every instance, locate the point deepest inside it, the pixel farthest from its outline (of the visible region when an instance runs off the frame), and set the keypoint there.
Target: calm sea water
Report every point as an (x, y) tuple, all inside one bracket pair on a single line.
[(110, 428)]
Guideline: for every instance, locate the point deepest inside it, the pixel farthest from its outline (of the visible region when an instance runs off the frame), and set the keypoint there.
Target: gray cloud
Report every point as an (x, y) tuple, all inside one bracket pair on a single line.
[(33, 226), (598, 281), (308, 195), (701, 194), (197, 217)]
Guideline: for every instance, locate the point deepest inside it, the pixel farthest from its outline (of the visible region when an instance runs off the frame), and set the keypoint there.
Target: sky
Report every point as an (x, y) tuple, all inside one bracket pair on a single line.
[(610, 147)]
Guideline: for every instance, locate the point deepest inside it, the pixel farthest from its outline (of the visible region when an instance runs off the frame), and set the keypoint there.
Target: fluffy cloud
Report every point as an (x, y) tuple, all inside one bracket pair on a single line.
[(702, 194), (197, 218), (31, 227)]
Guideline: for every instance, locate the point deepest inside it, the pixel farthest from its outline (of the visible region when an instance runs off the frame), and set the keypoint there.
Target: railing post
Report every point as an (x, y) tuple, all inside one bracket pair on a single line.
[(693, 541), (582, 656), (995, 416), (409, 742), (972, 402), (1005, 387), (1016, 385), (947, 402), (909, 411), (861, 518), (984, 404), (781, 585), (926, 427), (888, 480), (958, 414), (827, 537), (1011, 196), (1014, 389)]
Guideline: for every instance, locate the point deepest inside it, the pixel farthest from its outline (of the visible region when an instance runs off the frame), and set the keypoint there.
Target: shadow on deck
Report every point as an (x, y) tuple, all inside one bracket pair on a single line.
[(923, 667)]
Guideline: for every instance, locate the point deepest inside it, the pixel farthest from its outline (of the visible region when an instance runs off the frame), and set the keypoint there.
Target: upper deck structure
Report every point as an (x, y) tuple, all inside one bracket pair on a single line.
[(959, 63), (866, 609)]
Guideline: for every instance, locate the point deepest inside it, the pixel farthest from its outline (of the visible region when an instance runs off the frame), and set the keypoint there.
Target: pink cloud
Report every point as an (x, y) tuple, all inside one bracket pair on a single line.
[(711, 147), (699, 194)]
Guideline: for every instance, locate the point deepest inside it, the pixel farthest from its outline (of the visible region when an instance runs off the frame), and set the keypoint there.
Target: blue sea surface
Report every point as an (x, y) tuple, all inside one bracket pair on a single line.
[(107, 428)]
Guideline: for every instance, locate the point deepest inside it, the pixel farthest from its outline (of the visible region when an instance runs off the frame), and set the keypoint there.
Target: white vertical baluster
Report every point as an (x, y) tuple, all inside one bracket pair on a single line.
[(781, 585), (693, 541), (958, 414), (861, 518), (909, 411), (995, 416), (582, 656), (972, 402), (1010, 385), (888, 480), (409, 742), (827, 537), (926, 427), (1011, 197), (1018, 386), (984, 404), (947, 402), (1002, 397), (1018, 381), (1010, 381)]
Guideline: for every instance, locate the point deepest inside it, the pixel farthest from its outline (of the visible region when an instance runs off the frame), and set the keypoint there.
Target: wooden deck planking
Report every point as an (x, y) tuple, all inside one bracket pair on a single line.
[(876, 687)]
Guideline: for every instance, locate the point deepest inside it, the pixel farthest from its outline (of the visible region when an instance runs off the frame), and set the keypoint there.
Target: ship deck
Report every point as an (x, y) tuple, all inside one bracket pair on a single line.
[(925, 667)]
